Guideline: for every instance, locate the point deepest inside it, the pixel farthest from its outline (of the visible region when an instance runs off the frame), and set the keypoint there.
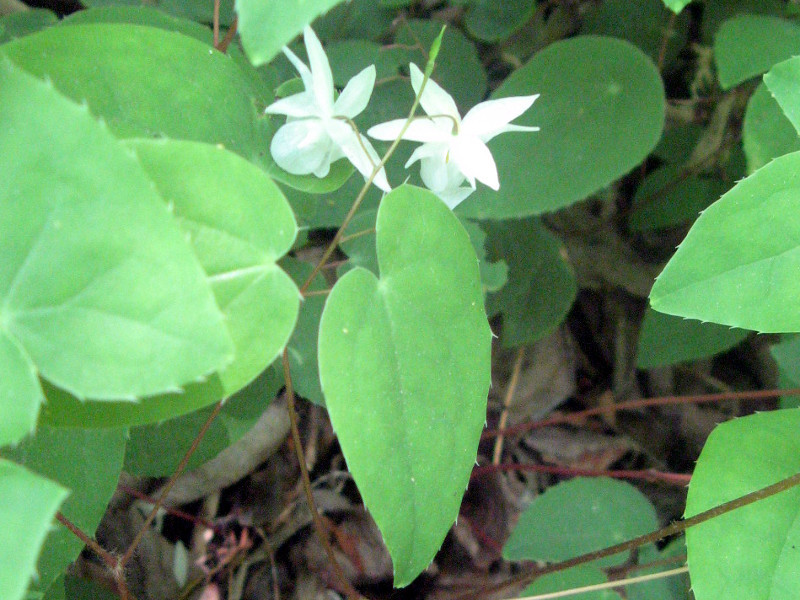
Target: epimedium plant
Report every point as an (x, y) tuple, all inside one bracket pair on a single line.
[(148, 212)]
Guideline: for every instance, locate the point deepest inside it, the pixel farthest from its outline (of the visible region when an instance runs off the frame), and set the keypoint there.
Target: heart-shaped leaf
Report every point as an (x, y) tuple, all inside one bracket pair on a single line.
[(783, 80), (98, 284), (743, 252), (752, 552), (404, 365)]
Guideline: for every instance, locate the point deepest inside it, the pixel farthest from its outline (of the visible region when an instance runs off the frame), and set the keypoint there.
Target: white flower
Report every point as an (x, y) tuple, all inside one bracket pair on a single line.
[(454, 149), (318, 130)]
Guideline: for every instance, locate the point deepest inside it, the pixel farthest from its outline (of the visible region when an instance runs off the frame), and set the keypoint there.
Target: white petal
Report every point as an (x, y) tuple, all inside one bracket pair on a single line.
[(355, 95), (428, 151), (489, 118), (434, 100), (421, 129), (455, 196), (439, 174), (320, 70), (475, 161), (358, 151), (302, 69), (301, 147), (298, 105)]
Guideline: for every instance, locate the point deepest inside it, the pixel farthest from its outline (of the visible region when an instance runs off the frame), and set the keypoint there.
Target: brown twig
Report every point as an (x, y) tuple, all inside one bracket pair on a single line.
[(108, 559), (642, 403), (512, 387)]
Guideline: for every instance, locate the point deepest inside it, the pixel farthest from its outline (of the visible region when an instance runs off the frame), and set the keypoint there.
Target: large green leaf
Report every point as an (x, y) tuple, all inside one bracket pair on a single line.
[(743, 253), (541, 286), (86, 462), (239, 225), (404, 363), (783, 80), (750, 45), (25, 22), (602, 512), (492, 21), (601, 111), (577, 577), (20, 393), (766, 132), (265, 27), (190, 9), (119, 71), (27, 505), (666, 340), (99, 286), (750, 553)]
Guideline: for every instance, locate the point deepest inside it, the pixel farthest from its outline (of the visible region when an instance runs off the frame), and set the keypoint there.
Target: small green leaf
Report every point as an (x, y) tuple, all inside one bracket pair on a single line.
[(603, 512), (667, 588), (203, 96), (750, 45), (766, 132), (601, 111), (541, 286), (73, 588), (86, 462), (203, 12), (666, 340), (492, 21), (783, 80), (265, 27), (20, 393), (676, 6), (98, 284), (494, 272), (355, 20), (751, 553), (404, 362), (743, 252), (23, 494)]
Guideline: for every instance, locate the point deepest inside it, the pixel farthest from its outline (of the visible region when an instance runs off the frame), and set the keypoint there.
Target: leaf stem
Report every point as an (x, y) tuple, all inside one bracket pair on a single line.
[(642, 403), (512, 387), (168, 487), (319, 526), (108, 559), (676, 527)]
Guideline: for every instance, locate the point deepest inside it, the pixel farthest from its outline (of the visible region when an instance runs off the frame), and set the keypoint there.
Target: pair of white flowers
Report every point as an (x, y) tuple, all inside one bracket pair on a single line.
[(319, 130)]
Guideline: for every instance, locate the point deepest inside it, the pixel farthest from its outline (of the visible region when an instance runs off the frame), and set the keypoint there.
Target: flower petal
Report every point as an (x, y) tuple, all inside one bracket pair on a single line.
[(429, 150), (301, 147), (434, 100), (358, 151), (490, 118), (455, 196), (355, 95), (320, 70), (421, 129), (302, 69), (475, 161), (439, 174), (298, 105)]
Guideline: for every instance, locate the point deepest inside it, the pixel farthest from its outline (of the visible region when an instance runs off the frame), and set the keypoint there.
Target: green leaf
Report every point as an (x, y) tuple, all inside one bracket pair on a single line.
[(676, 6), (20, 393), (355, 20), (783, 80), (749, 553), (239, 225), (541, 286), (202, 12), (667, 588), (766, 132), (98, 284), (576, 577), (155, 450), (670, 196), (458, 66), (601, 111), (750, 45), (666, 340), (743, 253), (494, 272), (716, 12), (203, 96), (25, 22), (404, 362), (72, 588), (602, 512), (491, 21), (86, 462), (643, 23), (27, 506), (265, 27)]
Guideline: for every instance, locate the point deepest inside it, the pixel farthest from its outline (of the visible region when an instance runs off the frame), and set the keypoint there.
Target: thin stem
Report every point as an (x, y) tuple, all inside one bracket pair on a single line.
[(216, 23), (324, 292), (108, 559), (167, 488), (175, 512), (358, 234), (512, 387), (680, 479), (530, 575), (319, 526), (362, 194), (608, 585), (226, 41), (642, 403)]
